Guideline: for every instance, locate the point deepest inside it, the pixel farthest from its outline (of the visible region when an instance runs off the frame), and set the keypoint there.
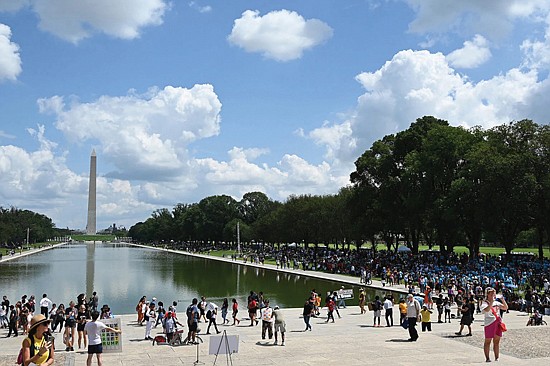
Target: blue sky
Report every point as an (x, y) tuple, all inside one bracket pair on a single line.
[(187, 99)]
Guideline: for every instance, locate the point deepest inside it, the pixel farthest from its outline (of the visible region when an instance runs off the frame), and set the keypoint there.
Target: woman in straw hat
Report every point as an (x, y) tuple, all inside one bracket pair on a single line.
[(38, 347)]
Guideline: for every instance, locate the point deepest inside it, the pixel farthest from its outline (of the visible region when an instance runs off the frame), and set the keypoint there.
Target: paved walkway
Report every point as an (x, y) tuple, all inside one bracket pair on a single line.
[(351, 340), (17, 255)]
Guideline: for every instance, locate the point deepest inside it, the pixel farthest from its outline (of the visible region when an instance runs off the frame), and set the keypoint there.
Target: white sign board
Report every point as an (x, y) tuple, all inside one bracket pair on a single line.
[(221, 345), (346, 294)]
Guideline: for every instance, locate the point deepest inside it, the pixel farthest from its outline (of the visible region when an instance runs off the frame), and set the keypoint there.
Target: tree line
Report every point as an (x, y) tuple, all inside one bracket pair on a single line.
[(432, 183), (14, 223)]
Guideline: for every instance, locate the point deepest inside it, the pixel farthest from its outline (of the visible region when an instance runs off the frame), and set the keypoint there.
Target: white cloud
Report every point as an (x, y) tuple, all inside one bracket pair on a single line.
[(537, 52), (6, 135), (41, 181), (199, 8), (144, 136), (280, 35), (418, 83), (75, 20), (10, 61), (474, 53)]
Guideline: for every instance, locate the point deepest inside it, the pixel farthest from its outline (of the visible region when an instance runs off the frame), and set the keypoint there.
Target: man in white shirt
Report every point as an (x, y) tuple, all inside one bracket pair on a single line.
[(267, 320), (388, 306), (45, 304), (413, 315), (93, 331)]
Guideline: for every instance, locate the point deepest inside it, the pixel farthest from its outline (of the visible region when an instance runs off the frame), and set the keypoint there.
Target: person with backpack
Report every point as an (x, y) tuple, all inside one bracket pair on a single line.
[(413, 316), (38, 348), (377, 308), (192, 313), (211, 312)]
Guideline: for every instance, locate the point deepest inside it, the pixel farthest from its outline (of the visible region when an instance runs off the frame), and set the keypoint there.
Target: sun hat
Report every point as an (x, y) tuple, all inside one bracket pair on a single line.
[(37, 320)]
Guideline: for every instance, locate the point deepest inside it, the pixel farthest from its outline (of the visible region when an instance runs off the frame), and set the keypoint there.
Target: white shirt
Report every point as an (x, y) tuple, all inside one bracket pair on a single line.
[(213, 309), (45, 302), (489, 318), (94, 330), (267, 315), (388, 304), (413, 309)]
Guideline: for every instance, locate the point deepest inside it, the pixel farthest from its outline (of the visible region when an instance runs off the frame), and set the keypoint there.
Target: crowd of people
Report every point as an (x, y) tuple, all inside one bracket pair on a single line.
[(450, 273), (154, 313), (37, 320)]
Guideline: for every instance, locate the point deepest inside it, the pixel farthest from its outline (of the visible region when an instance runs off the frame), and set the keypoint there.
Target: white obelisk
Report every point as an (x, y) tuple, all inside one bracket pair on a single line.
[(90, 226)]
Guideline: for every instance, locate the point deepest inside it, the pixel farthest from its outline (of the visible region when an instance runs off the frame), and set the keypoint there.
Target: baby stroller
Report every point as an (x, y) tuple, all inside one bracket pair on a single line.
[(536, 319), (163, 339), (170, 324)]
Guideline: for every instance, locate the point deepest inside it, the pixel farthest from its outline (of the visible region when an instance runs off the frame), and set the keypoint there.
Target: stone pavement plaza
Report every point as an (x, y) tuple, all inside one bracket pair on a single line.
[(351, 340)]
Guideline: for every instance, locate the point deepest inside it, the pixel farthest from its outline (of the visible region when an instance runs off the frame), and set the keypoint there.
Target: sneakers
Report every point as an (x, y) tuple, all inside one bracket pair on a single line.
[(275, 343), (282, 343)]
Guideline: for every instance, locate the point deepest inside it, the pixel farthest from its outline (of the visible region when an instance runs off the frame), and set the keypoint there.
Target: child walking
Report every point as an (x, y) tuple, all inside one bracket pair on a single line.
[(425, 313)]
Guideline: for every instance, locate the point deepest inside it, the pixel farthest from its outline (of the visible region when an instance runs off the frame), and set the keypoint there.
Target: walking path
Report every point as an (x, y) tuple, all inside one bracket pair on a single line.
[(9, 257), (351, 340)]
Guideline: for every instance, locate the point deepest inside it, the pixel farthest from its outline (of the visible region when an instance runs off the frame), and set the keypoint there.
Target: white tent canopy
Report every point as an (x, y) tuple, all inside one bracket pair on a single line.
[(403, 249)]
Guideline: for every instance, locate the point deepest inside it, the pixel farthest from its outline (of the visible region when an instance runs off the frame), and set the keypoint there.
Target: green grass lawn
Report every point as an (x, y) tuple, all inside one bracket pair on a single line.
[(458, 249), (5, 251), (85, 237)]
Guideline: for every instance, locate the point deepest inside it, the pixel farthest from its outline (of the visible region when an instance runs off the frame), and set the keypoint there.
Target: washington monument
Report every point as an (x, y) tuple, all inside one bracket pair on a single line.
[(90, 226)]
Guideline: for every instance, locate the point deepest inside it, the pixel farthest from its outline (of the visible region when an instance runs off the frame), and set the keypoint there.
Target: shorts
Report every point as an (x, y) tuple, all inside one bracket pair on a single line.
[(193, 327), (280, 327), (377, 313), (95, 348), (493, 330), (80, 327), (70, 323)]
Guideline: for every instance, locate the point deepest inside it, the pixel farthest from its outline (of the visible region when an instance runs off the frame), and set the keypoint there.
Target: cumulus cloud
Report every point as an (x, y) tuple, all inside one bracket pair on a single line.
[(474, 53), (418, 83), (42, 182), (144, 136), (75, 20), (280, 35), (291, 175), (537, 52), (10, 61)]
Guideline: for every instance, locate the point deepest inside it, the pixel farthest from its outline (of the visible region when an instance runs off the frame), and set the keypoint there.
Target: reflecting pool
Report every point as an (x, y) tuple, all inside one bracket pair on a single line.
[(121, 274)]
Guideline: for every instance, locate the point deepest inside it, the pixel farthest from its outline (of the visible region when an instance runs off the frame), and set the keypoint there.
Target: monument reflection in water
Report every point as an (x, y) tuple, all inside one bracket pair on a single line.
[(121, 274)]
